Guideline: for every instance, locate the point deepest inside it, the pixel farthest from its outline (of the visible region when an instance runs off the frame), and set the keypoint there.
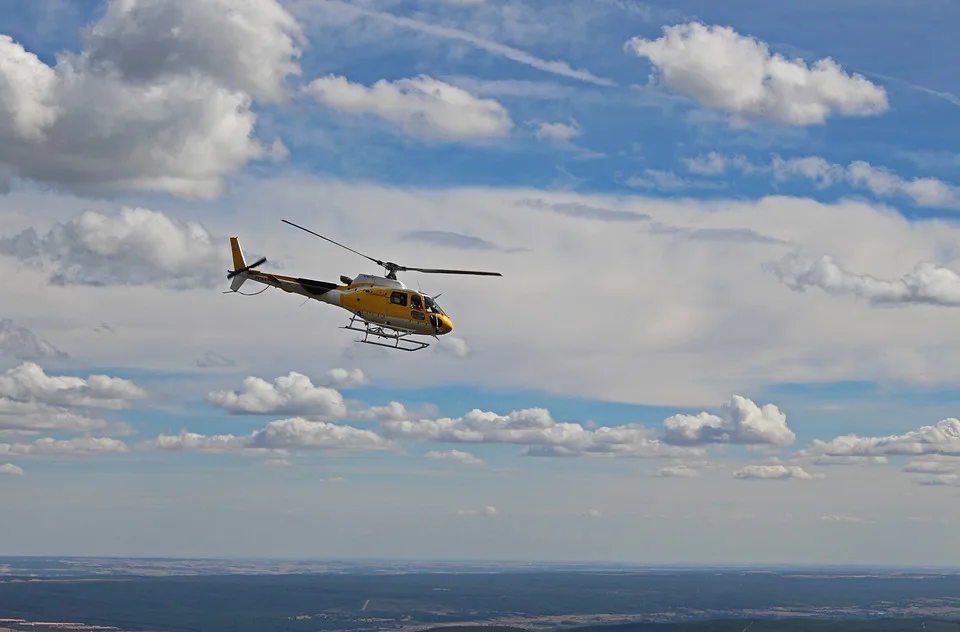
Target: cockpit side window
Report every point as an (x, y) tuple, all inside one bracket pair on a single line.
[(399, 298), (432, 306), (415, 302)]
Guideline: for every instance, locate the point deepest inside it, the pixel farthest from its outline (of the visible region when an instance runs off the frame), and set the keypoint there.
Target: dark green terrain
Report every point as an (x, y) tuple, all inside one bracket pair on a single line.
[(704, 601)]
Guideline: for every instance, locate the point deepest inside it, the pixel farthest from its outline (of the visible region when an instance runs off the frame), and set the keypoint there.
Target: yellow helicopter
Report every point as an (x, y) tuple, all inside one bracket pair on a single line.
[(383, 305)]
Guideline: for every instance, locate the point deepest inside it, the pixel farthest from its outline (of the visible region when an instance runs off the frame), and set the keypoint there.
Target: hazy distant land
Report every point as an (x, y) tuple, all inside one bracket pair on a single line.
[(237, 596)]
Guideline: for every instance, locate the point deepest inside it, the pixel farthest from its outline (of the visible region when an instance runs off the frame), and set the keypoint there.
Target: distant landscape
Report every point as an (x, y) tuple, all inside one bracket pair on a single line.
[(237, 596)]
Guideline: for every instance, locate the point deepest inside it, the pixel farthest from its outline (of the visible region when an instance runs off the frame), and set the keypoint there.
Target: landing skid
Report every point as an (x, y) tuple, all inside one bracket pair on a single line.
[(389, 333)]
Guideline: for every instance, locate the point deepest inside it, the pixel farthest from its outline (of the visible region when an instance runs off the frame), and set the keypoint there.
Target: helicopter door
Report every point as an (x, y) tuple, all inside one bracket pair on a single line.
[(416, 307)]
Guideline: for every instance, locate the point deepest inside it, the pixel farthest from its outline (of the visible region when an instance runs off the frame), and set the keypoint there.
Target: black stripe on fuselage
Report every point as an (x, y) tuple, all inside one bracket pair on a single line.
[(317, 288)]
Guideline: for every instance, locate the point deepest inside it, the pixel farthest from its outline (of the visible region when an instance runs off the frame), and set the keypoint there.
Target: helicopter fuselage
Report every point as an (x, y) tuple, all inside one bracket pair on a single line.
[(374, 299)]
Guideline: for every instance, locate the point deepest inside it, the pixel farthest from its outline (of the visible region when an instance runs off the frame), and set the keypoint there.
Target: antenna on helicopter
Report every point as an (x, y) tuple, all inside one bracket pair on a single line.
[(392, 268)]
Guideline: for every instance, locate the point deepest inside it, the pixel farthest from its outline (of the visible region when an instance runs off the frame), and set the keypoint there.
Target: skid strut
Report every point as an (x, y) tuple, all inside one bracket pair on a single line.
[(389, 333)]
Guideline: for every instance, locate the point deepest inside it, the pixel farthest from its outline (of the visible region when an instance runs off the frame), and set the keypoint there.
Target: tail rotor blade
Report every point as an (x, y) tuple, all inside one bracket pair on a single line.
[(256, 264)]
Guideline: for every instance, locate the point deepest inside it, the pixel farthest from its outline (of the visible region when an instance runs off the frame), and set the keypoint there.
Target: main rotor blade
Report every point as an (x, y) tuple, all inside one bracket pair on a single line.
[(442, 271), (376, 261)]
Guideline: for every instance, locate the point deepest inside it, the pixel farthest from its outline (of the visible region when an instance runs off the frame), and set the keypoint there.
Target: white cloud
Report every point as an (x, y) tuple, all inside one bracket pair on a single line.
[(454, 455), (299, 433), (293, 393), (420, 106), (137, 246), (678, 471), (344, 378), (9, 469), (186, 441), (773, 472), (31, 417), (29, 383), (926, 284), (535, 429), (814, 168), (740, 421), (721, 321), (942, 438), (158, 100), (277, 437), (558, 131), (712, 164), (22, 344), (927, 192), (727, 71), (81, 446), (880, 181), (454, 346)]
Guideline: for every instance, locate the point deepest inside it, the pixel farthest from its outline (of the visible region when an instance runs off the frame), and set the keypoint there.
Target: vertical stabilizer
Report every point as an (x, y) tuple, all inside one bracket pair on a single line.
[(238, 264)]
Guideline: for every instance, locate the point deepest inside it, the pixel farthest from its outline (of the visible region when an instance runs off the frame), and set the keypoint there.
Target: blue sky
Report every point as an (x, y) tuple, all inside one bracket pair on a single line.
[(719, 266)]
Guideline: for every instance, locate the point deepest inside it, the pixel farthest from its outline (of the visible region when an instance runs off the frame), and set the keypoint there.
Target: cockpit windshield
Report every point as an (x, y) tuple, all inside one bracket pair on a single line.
[(432, 305)]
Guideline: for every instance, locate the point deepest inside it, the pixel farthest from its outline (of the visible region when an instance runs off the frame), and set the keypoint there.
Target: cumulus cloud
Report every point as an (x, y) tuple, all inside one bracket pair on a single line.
[(22, 344), (421, 106), (536, 430), (137, 246), (158, 100), (344, 378), (727, 71), (9, 469), (926, 284), (942, 438), (454, 455), (773, 472), (740, 421), (32, 401), (293, 393), (277, 437), (28, 383)]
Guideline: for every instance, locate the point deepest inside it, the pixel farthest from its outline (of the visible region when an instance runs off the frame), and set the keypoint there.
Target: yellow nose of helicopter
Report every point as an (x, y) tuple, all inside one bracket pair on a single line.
[(446, 325)]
